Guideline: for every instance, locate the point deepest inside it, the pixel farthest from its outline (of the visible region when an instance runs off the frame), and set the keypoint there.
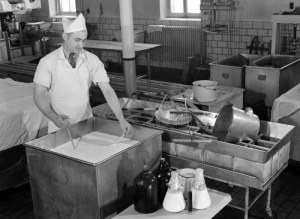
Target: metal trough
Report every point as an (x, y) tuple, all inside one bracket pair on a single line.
[(269, 77)]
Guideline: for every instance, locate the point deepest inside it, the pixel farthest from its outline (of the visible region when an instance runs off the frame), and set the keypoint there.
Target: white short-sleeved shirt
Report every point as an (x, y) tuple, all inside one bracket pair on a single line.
[(47, 68)]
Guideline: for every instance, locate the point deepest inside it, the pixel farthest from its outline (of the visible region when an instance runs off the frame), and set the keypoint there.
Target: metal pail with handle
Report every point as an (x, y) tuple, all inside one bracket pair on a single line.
[(234, 125)]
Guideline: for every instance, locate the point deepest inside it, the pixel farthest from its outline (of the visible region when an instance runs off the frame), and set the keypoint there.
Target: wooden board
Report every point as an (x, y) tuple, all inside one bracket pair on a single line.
[(115, 46), (225, 95)]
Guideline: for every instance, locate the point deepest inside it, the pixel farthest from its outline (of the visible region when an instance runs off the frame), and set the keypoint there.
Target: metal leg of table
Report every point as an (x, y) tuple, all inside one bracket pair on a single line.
[(246, 202), (268, 205), (247, 206)]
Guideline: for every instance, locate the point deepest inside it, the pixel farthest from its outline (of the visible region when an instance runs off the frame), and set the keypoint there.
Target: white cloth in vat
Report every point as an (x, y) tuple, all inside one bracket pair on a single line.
[(94, 147)]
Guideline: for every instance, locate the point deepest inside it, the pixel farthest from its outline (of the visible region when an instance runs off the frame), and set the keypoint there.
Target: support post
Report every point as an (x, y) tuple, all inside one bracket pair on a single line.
[(128, 51)]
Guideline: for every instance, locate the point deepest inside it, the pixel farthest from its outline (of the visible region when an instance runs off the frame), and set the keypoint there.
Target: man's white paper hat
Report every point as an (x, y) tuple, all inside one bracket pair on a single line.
[(74, 25)]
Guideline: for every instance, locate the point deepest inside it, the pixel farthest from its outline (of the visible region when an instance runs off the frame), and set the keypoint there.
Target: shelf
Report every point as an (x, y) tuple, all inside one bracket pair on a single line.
[(34, 23), (214, 32), (216, 7), (285, 19)]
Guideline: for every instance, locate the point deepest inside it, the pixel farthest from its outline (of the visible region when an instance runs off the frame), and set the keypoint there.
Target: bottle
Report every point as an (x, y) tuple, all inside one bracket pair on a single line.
[(145, 192), (163, 177), (174, 201), (200, 196)]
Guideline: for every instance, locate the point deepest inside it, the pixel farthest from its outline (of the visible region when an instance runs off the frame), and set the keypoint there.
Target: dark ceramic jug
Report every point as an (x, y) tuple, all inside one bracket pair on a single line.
[(145, 192), (163, 177)]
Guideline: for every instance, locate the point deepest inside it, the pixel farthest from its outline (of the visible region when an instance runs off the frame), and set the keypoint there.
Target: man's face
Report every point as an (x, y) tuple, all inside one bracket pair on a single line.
[(74, 42)]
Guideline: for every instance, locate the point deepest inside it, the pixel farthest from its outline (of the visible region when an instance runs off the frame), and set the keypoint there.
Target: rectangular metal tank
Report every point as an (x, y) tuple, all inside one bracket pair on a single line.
[(230, 71), (269, 77), (235, 163), (65, 186)]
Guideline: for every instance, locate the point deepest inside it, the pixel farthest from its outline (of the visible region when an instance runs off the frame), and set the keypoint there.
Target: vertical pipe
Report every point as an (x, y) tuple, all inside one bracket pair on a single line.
[(268, 204), (5, 33), (228, 32), (126, 20), (21, 39)]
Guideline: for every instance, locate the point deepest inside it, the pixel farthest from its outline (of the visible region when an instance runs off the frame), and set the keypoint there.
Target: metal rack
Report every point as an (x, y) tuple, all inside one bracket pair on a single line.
[(277, 20), (212, 8)]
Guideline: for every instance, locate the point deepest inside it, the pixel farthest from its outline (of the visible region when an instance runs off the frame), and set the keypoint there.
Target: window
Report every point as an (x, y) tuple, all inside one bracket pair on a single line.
[(184, 8), (66, 7)]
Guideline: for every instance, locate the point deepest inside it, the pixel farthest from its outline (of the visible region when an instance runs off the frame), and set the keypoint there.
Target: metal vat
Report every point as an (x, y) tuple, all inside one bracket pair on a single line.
[(66, 187), (269, 77), (230, 71)]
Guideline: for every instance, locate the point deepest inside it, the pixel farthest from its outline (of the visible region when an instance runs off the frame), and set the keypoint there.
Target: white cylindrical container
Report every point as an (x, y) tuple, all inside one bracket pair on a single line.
[(205, 90)]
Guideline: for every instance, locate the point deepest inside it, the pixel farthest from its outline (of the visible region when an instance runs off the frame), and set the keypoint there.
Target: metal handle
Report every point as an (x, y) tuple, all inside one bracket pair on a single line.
[(118, 139), (71, 138)]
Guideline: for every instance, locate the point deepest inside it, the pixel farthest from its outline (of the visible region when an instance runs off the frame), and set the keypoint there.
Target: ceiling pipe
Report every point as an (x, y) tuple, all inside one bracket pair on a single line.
[(128, 57)]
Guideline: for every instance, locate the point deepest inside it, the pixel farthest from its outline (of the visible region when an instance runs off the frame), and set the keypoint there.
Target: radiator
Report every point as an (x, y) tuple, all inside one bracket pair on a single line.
[(178, 42)]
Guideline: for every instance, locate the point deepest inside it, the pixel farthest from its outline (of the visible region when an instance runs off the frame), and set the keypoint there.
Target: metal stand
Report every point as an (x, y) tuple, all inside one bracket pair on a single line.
[(212, 9), (268, 186)]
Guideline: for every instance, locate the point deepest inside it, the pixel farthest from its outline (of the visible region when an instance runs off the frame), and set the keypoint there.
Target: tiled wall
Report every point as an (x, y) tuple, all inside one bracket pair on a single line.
[(240, 38)]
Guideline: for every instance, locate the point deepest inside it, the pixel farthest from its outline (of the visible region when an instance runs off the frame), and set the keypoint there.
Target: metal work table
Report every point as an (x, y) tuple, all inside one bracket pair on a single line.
[(117, 47)]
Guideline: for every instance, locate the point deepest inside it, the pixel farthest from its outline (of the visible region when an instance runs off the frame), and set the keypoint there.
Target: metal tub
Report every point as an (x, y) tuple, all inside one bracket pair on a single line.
[(269, 77), (64, 186), (230, 71), (234, 163)]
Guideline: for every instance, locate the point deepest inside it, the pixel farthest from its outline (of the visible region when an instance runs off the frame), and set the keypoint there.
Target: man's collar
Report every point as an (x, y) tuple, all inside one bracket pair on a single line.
[(62, 53)]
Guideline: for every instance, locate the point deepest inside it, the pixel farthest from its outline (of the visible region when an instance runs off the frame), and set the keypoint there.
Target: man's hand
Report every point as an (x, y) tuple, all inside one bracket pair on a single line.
[(62, 121), (114, 104), (126, 127)]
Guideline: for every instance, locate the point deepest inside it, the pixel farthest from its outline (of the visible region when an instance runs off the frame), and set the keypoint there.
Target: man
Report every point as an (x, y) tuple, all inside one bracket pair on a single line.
[(67, 73)]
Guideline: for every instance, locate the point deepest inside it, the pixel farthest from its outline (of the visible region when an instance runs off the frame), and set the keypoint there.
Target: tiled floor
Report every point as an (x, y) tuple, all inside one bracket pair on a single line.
[(285, 202)]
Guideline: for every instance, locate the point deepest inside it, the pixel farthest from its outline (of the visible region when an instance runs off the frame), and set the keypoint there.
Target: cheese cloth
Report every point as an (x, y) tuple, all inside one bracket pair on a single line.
[(20, 119), (286, 105), (286, 110)]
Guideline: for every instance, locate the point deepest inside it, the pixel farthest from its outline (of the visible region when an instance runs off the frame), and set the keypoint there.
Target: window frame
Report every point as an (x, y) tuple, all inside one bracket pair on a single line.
[(185, 14), (59, 12)]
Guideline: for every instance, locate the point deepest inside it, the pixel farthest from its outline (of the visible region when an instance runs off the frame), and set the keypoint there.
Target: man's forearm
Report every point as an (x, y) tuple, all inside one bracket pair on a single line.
[(113, 103), (44, 106)]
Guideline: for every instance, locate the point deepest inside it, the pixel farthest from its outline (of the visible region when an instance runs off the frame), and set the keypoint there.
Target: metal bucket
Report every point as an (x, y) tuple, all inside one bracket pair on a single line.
[(235, 125), (37, 50), (13, 27)]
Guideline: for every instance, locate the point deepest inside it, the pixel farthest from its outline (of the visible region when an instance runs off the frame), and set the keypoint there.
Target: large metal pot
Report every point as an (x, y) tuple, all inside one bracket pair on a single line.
[(37, 49), (234, 125), (205, 90), (13, 27)]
